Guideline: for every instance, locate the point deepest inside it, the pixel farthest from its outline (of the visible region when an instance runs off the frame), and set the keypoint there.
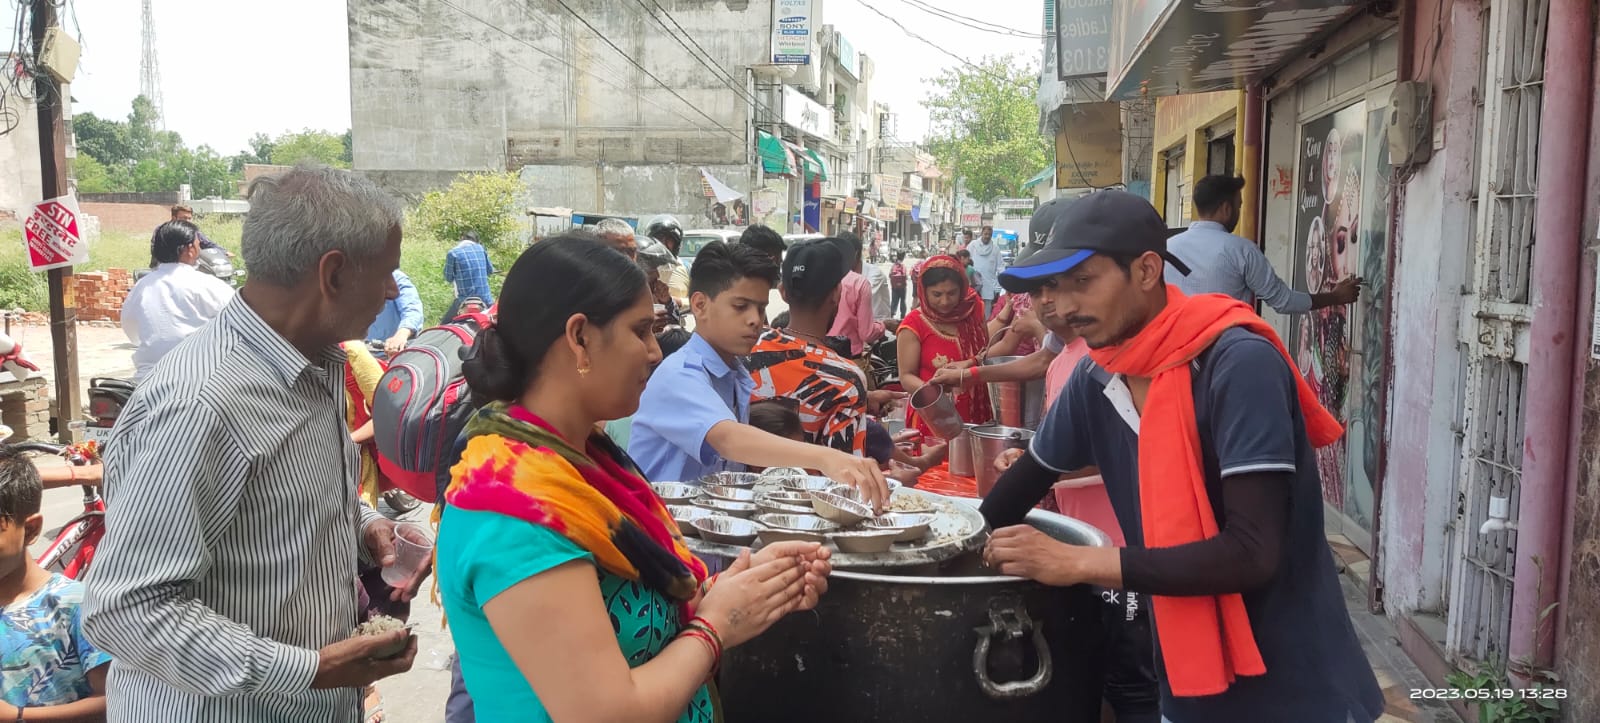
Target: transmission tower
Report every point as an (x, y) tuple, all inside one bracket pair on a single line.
[(149, 69)]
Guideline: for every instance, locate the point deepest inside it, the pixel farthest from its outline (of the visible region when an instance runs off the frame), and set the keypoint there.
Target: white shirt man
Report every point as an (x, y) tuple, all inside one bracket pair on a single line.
[(174, 300), (986, 259)]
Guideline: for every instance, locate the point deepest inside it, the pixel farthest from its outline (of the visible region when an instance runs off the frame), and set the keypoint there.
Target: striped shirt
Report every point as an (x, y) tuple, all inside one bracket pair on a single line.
[(232, 533)]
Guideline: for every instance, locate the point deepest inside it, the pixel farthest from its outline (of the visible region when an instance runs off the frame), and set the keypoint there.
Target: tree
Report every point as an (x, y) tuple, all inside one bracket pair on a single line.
[(309, 145), (92, 175), (481, 202), (984, 125), (106, 140)]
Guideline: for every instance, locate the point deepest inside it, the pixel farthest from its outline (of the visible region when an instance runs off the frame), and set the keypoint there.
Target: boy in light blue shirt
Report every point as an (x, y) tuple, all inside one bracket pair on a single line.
[(693, 419)]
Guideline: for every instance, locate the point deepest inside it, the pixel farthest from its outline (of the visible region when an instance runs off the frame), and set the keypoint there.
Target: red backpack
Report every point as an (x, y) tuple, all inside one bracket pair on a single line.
[(421, 405)]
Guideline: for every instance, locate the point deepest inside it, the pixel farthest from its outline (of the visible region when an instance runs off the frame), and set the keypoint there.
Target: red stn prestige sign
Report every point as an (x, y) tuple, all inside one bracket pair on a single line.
[(53, 235)]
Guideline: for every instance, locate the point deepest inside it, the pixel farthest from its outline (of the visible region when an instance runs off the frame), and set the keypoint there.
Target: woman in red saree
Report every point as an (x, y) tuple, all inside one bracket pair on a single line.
[(947, 327)]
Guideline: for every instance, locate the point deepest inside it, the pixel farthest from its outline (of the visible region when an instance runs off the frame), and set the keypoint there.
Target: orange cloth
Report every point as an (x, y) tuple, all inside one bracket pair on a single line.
[(1206, 641)]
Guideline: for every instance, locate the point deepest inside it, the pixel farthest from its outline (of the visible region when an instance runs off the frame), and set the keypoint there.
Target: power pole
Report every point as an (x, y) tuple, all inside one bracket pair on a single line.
[(53, 183)]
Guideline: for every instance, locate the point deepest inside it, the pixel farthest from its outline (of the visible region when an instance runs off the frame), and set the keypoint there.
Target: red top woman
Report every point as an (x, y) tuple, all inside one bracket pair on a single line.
[(947, 327)]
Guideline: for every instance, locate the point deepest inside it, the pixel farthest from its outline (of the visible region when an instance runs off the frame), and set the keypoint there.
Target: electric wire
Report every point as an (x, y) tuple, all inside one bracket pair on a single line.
[(936, 46), (580, 18), (970, 22), (709, 62), (568, 64)]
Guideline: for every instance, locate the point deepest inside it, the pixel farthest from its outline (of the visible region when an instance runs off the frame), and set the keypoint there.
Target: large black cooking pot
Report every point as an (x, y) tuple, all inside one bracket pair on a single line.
[(956, 643)]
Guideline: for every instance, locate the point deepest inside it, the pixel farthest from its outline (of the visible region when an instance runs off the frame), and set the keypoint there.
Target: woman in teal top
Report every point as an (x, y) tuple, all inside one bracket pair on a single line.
[(569, 592)]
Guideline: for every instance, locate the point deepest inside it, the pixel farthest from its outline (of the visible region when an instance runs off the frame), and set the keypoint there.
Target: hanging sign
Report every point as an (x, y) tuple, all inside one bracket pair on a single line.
[(54, 236)]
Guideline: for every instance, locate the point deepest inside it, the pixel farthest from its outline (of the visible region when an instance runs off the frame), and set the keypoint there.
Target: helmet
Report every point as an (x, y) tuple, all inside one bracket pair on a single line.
[(664, 228), (652, 254)]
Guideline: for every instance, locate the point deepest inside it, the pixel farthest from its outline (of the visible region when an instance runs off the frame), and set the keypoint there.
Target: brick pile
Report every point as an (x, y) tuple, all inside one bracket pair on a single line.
[(100, 294), (25, 408)]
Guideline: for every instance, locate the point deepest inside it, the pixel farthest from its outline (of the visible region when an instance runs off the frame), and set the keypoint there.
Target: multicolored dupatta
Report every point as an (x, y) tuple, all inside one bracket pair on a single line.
[(515, 464)]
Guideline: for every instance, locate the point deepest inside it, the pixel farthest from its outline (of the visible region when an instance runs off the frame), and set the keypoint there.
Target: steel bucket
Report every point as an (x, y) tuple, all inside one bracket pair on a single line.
[(1016, 404), (938, 410), (988, 442), (961, 452)]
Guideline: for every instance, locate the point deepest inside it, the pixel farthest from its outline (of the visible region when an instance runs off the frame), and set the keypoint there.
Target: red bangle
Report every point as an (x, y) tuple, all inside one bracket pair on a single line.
[(701, 623), (711, 646)]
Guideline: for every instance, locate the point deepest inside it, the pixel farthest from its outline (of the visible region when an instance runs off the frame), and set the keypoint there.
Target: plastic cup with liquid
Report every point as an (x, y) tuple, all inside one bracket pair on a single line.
[(413, 548)]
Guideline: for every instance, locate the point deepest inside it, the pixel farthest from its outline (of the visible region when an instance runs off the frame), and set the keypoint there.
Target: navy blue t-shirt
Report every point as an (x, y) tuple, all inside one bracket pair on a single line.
[(1248, 413)]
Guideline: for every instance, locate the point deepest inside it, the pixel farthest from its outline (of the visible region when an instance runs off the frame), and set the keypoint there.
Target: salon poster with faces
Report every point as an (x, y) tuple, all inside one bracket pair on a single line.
[(1328, 248)]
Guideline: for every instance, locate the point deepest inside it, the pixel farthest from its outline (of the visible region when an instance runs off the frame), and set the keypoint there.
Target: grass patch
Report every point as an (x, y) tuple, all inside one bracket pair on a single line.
[(422, 258)]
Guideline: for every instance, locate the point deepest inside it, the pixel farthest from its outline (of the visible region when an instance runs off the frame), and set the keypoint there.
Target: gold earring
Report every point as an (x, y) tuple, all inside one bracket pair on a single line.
[(583, 371)]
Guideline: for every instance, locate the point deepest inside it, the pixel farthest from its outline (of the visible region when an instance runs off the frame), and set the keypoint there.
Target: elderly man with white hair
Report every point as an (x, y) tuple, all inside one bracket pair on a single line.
[(617, 234), (225, 586)]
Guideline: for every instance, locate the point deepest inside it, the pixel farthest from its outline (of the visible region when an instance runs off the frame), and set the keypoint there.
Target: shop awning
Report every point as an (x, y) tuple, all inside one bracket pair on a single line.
[(775, 158), (1168, 47), (1039, 178), (821, 168)]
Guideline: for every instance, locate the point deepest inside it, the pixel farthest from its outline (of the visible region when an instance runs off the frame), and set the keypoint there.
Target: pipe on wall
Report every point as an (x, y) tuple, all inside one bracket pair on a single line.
[(1558, 224)]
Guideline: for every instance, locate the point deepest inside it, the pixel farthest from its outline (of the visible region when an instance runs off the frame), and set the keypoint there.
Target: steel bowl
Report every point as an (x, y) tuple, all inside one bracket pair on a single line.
[(731, 479), (788, 497), (865, 542), (840, 510), (772, 474), (804, 523), (685, 515), (726, 507), (912, 526), (808, 483), (727, 530), (675, 493), (779, 508), (731, 494)]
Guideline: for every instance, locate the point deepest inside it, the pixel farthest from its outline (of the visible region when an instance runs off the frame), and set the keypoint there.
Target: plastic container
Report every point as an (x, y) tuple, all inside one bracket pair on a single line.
[(1085, 499), (413, 547)]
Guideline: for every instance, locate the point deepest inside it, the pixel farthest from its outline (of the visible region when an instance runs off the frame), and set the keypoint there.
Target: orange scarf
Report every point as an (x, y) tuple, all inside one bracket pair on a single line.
[(1205, 641)]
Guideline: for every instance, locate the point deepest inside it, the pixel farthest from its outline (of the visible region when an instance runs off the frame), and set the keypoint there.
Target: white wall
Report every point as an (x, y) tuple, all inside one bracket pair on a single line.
[(19, 161)]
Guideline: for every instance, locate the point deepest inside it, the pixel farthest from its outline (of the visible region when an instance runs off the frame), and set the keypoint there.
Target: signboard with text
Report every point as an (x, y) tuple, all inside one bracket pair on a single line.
[(1083, 38), (1089, 146), (791, 32), (889, 189), (1014, 204), (54, 236), (848, 57), (805, 114)]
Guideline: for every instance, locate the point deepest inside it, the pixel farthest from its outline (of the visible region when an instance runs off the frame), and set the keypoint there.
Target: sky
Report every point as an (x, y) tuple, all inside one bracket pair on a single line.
[(234, 68)]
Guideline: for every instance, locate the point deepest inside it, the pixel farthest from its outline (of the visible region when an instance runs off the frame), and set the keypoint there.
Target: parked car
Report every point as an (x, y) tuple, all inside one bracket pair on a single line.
[(698, 239)]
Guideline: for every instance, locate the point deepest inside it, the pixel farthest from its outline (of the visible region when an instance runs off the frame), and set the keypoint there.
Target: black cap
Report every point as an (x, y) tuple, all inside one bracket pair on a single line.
[(813, 268), (1113, 222), (1044, 218)]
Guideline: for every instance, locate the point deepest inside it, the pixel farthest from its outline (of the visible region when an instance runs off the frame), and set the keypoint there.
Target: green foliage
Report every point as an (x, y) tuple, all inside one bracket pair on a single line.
[(1489, 690), (482, 202), (93, 177), (984, 124), (308, 145), (20, 288)]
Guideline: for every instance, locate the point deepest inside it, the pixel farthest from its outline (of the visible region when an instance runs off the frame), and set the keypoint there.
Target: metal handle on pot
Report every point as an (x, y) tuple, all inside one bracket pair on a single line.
[(1013, 623)]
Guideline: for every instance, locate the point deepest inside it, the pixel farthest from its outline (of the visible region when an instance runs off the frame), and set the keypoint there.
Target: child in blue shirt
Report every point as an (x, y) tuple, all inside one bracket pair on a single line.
[(693, 419), (48, 669)]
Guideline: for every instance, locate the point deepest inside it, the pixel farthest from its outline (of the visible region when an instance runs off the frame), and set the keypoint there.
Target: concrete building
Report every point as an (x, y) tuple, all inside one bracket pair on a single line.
[(19, 156), (438, 89)]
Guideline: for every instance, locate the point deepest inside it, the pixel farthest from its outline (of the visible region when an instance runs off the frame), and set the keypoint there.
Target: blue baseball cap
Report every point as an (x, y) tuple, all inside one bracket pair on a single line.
[(1110, 222)]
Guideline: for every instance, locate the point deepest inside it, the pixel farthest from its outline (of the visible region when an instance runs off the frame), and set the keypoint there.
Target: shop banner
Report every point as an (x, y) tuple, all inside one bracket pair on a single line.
[(1083, 38), (906, 201), (888, 189), (971, 219), (54, 237), (1014, 204), (852, 204), (792, 23), (770, 208), (1089, 146), (888, 213), (1168, 47), (848, 57), (805, 114), (1337, 238), (813, 211)]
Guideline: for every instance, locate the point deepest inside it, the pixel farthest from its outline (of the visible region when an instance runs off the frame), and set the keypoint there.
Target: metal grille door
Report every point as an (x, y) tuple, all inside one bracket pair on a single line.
[(1494, 333)]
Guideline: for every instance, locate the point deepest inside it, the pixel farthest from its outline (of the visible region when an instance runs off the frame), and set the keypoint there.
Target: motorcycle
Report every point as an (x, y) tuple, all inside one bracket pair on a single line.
[(74, 545), (107, 397), (213, 262)]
